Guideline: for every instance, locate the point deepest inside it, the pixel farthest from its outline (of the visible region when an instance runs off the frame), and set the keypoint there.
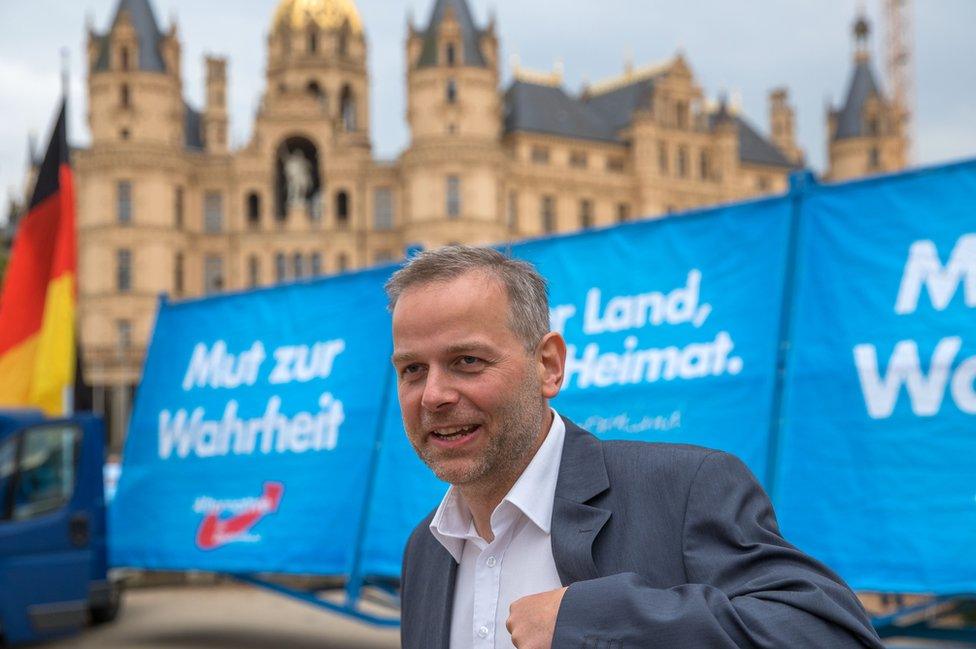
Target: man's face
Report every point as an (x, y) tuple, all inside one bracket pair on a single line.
[(470, 393)]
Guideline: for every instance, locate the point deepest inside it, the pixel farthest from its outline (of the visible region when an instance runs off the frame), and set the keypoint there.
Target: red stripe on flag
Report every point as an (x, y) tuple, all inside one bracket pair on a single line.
[(25, 287), (65, 251)]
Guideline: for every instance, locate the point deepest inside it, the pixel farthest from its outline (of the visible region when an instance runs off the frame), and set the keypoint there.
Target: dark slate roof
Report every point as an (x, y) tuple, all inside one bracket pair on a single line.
[(470, 34), (753, 147), (850, 122), (147, 33), (192, 131), (617, 106), (548, 109)]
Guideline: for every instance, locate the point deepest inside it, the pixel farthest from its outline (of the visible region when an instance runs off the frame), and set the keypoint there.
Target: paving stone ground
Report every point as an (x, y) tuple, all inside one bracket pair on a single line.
[(226, 617)]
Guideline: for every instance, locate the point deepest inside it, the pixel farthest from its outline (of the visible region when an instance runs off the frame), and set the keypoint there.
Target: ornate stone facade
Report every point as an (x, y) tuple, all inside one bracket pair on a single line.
[(164, 206)]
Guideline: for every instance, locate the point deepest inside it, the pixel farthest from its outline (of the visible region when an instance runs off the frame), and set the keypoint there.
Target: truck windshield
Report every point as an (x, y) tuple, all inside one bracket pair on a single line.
[(47, 468)]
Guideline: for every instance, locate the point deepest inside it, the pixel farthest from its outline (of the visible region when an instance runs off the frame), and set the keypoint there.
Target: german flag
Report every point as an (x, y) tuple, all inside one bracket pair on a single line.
[(37, 304)]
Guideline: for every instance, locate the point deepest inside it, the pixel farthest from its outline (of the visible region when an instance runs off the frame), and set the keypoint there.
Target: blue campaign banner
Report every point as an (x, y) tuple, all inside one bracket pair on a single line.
[(404, 493), (671, 325), (672, 328), (880, 411), (253, 434)]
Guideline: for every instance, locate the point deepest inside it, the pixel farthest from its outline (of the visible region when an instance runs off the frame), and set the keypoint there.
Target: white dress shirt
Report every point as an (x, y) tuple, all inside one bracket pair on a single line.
[(518, 562)]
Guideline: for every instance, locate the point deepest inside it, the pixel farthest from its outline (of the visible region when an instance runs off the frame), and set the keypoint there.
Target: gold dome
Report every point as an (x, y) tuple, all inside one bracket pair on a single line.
[(327, 14)]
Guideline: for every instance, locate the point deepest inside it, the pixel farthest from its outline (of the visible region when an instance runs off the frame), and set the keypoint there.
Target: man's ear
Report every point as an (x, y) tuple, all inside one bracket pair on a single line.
[(551, 362)]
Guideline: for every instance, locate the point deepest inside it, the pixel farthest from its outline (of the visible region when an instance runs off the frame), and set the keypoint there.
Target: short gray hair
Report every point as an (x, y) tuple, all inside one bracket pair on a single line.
[(528, 297)]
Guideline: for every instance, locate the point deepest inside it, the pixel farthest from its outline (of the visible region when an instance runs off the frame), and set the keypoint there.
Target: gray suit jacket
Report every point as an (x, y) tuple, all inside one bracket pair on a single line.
[(661, 545)]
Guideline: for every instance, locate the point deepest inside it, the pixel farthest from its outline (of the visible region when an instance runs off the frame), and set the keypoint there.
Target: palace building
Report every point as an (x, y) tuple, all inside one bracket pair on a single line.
[(166, 206)]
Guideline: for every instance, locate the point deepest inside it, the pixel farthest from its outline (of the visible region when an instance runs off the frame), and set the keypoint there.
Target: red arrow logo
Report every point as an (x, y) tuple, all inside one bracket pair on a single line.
[(215, 531)]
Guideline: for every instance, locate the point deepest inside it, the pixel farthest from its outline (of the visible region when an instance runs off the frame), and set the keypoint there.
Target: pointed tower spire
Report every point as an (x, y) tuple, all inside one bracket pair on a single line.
[(863, 88), (864, 134), (862, 33), (452, 15), (139, 14)]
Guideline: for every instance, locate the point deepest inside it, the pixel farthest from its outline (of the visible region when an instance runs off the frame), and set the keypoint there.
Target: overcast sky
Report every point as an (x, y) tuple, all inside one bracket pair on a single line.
[(744, 47)]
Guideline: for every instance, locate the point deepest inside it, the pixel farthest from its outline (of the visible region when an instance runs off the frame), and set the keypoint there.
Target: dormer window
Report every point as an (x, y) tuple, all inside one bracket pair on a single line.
[(872, 126), (315, 90), (681, 109), (874, 158), (450, 55), (313, 41), (347, 109), (124, 58)]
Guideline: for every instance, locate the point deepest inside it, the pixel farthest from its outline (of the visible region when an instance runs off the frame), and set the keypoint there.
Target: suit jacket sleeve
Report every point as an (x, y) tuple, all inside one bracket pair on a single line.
[(747, 587)]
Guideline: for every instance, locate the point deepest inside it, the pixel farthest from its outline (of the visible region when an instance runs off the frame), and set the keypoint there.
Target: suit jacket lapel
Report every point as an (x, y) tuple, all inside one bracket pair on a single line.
[(440, 598), (575, 524)]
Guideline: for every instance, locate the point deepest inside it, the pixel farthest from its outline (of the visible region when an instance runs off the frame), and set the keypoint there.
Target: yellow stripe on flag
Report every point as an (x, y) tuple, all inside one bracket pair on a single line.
[(54, 363), (16, 369)]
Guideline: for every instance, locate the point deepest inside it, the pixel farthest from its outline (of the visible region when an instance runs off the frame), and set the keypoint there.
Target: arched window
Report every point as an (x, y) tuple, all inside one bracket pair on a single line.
[(124, 58), (313, 41), (347, 108), (451, 91), (179, 200), (298, 180), (586, 214), (315, 90), (453, 196), (873, 126), (125, 99), (253, 271), (450, 54), (178, 274), (280, 267), (623, 212), (298, 265), (548, 209), (681, 110), (123, 270), (682, 161), (342, 209), (253, 210), (705, 165)]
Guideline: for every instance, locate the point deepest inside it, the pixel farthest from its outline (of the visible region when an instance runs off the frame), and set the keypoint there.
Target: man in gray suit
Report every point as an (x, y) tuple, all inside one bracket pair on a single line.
[(549, 537)]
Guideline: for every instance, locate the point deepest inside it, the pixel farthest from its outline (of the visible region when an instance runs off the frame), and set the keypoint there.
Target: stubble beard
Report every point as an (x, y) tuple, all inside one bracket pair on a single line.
[(506, 452)]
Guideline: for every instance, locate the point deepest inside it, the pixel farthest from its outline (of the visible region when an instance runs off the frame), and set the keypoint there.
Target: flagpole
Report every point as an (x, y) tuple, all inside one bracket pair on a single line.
[(65, 67), (68, 392)]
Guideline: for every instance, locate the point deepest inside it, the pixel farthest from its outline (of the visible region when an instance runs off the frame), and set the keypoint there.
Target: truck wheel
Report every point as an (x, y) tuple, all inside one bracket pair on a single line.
[(108, 611)]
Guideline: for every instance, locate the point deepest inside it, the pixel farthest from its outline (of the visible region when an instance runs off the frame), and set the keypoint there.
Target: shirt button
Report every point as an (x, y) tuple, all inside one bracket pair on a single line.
[(491, 562), (483, 632)]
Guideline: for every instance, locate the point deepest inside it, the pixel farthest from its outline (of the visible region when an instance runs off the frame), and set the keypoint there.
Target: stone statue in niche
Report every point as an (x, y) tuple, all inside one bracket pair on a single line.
[(298, 178)]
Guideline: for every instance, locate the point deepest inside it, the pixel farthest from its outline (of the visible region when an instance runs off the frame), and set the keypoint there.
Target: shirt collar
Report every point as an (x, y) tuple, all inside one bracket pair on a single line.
[(534, 491), (533, 494)]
